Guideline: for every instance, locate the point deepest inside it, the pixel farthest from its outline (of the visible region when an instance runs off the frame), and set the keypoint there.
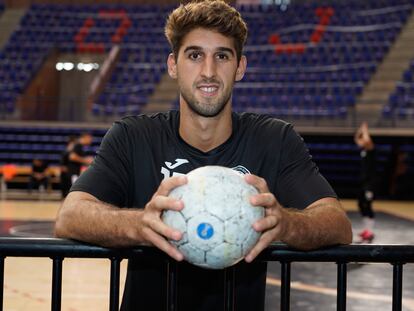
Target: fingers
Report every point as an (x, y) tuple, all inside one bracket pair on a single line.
[(257, 182), (154, 230), (161, 203), (170, 183), (158, 226), (159, 242), (264, 241), (160, 200), (263, 199), (266, 223)]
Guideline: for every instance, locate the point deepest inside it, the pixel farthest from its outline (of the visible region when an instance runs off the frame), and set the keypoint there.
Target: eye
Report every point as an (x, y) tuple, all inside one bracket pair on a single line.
[(222, 56), (194, 55)]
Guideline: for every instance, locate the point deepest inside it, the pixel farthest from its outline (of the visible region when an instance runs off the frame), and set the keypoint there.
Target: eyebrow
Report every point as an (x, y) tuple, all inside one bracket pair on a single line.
[(198, 48)]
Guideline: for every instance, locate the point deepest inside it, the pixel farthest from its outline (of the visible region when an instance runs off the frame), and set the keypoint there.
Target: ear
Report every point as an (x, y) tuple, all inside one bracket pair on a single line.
[(241, 69), (172, 66)]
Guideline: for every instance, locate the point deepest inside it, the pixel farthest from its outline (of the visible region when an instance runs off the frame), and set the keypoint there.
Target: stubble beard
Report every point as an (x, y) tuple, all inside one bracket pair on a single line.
[(210, 108)]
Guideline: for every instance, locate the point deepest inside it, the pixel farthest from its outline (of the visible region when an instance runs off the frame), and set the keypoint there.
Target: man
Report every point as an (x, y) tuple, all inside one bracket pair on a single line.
[(65, 178), (366, 195), (39, 177), (77, 157), (141, 159)]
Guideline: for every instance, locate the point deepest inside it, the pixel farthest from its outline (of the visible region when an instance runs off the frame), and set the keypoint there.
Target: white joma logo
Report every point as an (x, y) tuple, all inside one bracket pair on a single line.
[(170, 166)]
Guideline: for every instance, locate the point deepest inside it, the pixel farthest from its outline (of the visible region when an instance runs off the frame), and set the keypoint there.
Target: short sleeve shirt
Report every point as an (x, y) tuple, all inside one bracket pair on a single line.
[(138, 152), (74, 168)]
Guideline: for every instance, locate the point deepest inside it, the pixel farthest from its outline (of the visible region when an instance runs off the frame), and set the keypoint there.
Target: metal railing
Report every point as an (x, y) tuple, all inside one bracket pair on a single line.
[(58, 249)]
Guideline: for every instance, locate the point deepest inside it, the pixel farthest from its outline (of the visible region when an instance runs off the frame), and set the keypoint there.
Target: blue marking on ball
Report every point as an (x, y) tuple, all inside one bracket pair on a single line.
[(205, 231)]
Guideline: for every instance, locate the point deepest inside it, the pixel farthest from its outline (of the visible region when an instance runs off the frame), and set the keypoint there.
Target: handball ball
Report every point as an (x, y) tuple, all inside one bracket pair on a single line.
[(217, 217)]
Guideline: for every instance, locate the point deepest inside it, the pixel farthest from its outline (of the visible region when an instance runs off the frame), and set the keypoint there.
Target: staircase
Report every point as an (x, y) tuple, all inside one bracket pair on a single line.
[(164, 95), (382, 84), (9, 21)]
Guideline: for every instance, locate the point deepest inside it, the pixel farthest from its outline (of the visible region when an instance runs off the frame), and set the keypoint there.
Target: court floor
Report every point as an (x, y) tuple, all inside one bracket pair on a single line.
[(86, 281)]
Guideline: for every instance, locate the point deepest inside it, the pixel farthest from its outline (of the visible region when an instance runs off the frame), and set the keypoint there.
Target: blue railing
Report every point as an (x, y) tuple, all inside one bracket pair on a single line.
[(58, 249)]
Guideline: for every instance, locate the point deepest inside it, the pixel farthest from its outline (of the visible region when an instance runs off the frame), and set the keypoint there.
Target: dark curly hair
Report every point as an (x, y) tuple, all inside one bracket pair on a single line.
[(214, 15)]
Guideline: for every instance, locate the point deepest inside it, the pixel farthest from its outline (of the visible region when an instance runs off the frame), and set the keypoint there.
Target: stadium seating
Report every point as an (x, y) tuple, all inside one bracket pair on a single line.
[(21, 144), (401, 102), (307, 61), (90, 29), (313, 61), (336, 156)]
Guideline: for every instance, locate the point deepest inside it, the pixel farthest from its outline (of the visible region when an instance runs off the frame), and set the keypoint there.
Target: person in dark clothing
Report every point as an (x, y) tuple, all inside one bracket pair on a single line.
[(39, 178), (368, 178), (65, 178), (118, 201), (77, 157)]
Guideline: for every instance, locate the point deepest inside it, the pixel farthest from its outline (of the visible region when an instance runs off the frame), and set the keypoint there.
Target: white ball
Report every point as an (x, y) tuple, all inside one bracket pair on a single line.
[(217, 217)]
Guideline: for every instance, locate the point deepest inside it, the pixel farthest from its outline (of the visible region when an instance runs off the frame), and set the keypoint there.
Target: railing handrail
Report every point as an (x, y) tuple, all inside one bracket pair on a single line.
[(55, 247), (59, 249)]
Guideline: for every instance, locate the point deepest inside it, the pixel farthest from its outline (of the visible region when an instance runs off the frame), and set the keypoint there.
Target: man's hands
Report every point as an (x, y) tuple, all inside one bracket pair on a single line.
[(272, 225), (153, 230), (322, 223), (362, 137)]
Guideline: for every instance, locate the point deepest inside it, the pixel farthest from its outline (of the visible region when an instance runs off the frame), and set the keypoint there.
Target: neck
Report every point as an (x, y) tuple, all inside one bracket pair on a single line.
[(203, 133)]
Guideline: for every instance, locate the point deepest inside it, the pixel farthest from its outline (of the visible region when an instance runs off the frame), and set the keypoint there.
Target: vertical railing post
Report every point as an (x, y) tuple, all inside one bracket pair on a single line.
[(172, 280), (341, 287), (285, 286), (57, 284), (114, 284), (229, 274), (397, 279), (1, 282)]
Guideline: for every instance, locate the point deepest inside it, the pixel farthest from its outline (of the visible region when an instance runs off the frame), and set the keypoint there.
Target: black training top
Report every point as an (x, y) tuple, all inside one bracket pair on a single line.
[(138, 152), (368, 172), (74, 168)]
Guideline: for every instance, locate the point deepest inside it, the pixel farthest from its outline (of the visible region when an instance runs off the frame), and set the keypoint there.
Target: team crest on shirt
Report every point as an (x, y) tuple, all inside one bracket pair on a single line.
[(241, 169)]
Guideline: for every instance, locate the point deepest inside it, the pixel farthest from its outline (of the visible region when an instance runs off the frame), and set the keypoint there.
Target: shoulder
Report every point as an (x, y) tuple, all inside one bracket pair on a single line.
[(263, 124), (143, 125), (147, 121), (77, 147)]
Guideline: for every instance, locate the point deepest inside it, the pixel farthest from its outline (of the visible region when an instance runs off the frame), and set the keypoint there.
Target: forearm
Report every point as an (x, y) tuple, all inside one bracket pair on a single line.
[(96, 222), (321, 224), (79, 159)]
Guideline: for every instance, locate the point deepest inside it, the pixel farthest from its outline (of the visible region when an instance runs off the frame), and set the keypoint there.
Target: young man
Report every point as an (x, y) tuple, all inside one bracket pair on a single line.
[(39, 177), (77, 157), (65, 178), (141, 159), (366, 195)]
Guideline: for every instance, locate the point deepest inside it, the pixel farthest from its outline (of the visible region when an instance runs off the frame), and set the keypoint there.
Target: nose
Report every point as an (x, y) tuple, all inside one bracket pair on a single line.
[(208, 69)]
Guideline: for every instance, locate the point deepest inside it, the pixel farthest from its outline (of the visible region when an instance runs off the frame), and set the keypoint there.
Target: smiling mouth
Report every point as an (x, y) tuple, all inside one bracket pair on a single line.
[(208, 90)]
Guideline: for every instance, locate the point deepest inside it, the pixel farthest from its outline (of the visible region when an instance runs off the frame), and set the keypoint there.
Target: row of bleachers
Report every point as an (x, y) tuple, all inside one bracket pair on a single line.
[(298, 89), (336, 155), (312, 4), (20, 145), (401, 102), (338, 159)]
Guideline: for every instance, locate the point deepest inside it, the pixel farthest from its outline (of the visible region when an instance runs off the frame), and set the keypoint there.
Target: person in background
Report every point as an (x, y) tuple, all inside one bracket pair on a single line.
[(77, 156), (39, 177), (366, 195), (65, 179)]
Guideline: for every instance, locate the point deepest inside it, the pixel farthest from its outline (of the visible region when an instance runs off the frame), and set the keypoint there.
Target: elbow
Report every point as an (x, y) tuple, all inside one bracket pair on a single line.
[(346, 236), (62, 228)]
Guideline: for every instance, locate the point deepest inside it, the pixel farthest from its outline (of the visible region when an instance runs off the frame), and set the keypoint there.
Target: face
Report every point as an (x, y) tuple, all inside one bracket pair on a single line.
[(86, 140), (206, 69)]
